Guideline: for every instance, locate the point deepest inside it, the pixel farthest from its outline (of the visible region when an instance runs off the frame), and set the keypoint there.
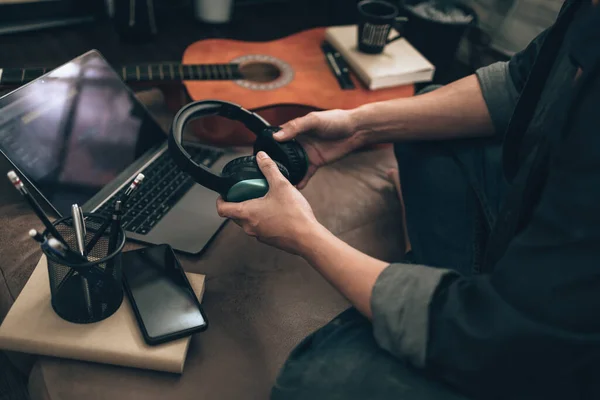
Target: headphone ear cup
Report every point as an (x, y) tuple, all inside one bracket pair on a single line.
[(290, 154), (245, 168), (250, 183), (298, 161)]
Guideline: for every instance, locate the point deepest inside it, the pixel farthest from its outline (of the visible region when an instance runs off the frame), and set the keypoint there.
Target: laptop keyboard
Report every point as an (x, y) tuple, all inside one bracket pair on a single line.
[(164, 185)]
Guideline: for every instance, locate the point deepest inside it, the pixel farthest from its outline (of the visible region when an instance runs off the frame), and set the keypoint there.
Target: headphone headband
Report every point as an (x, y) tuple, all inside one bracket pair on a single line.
[(182, 158)]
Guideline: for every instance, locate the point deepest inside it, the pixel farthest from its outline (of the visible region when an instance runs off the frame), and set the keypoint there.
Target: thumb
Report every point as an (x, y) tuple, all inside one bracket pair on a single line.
[(296, 126), (269, 169)]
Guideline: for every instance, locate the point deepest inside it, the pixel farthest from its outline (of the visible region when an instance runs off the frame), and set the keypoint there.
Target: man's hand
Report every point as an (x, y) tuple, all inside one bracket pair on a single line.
[(325, 135), (282, 218)]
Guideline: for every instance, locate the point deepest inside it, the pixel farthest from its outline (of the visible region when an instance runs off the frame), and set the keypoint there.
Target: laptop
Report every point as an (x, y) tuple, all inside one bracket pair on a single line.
[(79, 135)]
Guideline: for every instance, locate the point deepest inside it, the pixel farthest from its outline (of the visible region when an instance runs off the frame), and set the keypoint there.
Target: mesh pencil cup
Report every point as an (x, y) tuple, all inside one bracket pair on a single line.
[(91, 291)]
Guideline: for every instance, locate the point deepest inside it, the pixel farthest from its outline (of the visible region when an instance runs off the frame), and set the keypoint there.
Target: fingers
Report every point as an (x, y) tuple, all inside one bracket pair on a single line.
[(229, 210), (293, 128), (269, 169)]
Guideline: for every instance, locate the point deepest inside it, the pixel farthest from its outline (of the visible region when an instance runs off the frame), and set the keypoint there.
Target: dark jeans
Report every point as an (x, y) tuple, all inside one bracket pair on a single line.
[(452, 192)]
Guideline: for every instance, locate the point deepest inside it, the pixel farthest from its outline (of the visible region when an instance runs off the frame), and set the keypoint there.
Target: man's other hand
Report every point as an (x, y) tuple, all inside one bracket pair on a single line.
[(326, 136), (282, 218)]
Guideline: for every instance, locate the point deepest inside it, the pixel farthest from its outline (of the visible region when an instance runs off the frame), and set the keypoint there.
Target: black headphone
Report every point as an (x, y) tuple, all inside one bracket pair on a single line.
[(241, 178)]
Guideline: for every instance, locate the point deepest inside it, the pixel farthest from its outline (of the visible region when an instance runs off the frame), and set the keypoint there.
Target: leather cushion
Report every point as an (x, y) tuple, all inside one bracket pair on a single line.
[(260, 301)]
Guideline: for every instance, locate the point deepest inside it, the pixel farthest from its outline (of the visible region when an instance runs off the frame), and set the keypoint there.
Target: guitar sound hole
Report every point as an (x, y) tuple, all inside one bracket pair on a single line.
[(259, 72)]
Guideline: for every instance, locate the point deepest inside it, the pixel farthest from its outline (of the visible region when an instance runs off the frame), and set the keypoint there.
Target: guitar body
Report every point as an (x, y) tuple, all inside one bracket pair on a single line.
[(290, 77)]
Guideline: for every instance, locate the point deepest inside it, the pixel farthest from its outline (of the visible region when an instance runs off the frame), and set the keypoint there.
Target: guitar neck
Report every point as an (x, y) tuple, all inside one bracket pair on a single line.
[(164, 72)]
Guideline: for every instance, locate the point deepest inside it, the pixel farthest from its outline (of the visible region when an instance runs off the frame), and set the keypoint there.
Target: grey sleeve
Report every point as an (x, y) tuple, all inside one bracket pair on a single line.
[(499, 93), (400, 309)]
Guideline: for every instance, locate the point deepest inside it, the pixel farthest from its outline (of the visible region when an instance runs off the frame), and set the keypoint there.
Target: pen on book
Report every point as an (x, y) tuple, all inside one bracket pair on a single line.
[(16, 181)]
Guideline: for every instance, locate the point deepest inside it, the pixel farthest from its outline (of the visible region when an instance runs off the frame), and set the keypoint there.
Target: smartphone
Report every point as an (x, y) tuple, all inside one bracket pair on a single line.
[(161, 296)]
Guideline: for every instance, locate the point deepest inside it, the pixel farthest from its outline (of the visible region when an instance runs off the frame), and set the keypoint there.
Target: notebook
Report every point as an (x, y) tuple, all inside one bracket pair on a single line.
[(399, 64), (32, 326)]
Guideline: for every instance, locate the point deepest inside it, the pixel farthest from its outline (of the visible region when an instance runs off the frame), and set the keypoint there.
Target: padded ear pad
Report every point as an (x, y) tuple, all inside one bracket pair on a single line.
[(298, 161), (245, 168), (290, 154)]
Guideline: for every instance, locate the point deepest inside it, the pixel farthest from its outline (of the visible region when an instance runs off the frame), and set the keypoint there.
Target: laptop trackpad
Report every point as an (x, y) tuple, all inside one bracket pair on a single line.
[(191, 223)]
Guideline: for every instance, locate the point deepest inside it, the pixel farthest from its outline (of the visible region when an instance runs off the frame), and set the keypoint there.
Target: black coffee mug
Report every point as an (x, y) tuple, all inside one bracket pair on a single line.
[(376, 19)]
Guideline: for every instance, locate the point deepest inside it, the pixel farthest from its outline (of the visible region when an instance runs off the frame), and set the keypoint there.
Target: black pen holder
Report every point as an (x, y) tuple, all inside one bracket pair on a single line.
[(85, 292)]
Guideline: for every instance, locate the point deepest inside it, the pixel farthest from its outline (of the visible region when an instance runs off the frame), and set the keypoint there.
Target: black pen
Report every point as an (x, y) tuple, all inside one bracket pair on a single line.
[(16, 181), (60, 250), (124, 197), (79, 226), (134, 185), (115, 227), (38, 237)]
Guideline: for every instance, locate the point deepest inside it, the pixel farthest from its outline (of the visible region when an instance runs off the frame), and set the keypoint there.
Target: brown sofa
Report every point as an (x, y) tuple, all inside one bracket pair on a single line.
[(260, 301)]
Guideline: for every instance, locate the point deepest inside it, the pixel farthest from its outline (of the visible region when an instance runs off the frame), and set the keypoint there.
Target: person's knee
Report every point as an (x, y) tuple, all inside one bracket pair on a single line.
[(329, 360), (419, 162)]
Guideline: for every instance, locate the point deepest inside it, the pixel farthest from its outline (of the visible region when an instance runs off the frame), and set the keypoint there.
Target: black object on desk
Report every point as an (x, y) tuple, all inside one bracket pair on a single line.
[(377, 18), (18, 184), (161, 296), (85, 292), (338, 66)]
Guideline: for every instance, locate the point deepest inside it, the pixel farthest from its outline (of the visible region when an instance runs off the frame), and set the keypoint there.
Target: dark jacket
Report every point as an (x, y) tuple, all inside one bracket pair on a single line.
[(529, 326)]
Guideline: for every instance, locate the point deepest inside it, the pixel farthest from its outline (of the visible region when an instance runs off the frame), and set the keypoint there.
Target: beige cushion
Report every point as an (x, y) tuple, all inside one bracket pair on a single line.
[(260, 301)]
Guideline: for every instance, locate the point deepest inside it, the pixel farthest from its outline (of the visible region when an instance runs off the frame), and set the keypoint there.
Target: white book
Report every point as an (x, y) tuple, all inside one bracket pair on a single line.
[(399, 64)]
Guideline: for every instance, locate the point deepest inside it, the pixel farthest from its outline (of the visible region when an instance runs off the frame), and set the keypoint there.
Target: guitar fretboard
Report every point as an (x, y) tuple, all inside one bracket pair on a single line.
[(162, 72), (139, 73)]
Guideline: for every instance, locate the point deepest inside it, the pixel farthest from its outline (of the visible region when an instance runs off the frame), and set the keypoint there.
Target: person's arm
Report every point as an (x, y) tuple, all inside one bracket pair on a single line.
[(478, 105), (455, 110), (283, 218), (352, 272), (535, 317)]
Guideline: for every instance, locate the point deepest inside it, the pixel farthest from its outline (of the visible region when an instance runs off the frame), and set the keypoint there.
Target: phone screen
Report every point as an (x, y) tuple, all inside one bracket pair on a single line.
[(165, 303)]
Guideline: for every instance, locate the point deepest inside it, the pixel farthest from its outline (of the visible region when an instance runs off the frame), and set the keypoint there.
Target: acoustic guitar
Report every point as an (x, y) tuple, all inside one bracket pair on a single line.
[(279, 80)]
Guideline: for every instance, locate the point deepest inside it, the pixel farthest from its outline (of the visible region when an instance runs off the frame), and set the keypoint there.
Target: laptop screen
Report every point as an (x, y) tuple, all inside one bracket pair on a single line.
[(74, 130)]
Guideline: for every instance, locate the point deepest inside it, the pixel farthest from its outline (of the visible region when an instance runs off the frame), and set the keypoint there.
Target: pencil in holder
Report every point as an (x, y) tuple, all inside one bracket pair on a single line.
[(86, 292)]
